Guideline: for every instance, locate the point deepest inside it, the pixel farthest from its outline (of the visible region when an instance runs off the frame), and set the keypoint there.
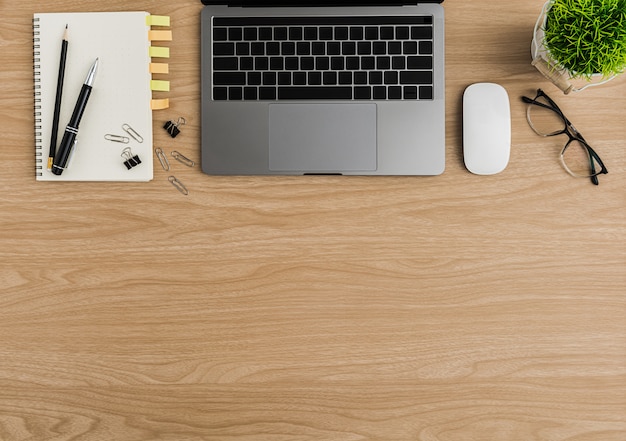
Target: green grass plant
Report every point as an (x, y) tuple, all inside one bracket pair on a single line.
[(587, 37)]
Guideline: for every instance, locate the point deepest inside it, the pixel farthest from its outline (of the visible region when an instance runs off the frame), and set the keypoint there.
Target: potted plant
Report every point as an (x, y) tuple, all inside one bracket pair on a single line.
[(580, 41)]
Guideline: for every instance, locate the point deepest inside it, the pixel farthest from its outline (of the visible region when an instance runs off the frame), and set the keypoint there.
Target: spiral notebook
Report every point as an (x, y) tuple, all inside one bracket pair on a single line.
[(122, 94)]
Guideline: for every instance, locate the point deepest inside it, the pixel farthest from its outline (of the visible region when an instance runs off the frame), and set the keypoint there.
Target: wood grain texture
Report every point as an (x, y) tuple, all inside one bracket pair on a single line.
[(445, 308)]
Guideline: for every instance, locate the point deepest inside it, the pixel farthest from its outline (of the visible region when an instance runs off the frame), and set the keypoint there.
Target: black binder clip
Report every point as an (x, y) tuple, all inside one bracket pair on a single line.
[(130, 159), (172, 127)]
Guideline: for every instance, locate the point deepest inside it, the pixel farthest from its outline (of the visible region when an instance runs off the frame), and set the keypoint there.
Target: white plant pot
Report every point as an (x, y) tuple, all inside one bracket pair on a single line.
[(542, 60)]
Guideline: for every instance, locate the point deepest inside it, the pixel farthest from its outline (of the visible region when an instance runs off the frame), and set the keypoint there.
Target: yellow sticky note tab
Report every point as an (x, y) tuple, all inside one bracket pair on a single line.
[(159, 52), (159, 68), (160, 35), (157, 20), (160, 85), (160, 104)]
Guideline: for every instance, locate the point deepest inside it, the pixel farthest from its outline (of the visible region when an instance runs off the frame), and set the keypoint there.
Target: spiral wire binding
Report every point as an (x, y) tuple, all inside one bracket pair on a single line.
[(37, 97)]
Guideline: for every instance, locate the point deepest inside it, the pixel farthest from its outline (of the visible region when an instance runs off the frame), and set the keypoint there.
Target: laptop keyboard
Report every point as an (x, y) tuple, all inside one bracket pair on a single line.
[(323, 58)]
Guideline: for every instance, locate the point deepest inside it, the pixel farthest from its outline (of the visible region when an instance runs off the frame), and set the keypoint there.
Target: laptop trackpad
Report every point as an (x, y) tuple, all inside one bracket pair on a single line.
[(322, 137)]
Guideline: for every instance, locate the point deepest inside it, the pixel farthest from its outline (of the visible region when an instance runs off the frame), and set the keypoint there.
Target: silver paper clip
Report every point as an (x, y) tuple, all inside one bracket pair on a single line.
[(117, 138), (182, 159), (132, 132), (179, 185), (162, 159)]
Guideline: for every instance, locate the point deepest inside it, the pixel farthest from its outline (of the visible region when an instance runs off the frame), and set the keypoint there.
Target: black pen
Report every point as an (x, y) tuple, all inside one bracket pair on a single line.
[(69, 137), (57, 102)]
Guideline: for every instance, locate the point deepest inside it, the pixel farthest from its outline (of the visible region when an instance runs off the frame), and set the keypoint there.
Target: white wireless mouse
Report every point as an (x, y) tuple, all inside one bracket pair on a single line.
[(486, 128)]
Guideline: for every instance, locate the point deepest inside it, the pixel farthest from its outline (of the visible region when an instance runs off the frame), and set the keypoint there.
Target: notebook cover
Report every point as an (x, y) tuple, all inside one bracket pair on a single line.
[(121, 92)]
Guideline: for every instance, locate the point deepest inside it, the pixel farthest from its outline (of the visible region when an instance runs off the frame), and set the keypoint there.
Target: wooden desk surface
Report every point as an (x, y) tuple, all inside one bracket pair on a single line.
[(445, 308)]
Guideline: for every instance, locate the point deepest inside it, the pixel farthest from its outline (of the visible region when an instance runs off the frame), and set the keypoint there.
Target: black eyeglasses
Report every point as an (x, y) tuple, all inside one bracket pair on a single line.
[(577, 157)]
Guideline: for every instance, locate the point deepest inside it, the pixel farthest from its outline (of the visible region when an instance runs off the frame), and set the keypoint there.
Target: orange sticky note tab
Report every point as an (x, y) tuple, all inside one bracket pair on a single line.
[(160, 104), (160, 35), (159, 68)]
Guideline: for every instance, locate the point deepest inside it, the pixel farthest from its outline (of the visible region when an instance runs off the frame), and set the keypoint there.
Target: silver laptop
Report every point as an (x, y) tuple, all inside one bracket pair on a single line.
[(341, 87)]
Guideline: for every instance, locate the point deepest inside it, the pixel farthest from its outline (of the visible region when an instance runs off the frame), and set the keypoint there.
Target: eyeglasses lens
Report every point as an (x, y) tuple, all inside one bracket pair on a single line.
[(544, 121), (576, 159)]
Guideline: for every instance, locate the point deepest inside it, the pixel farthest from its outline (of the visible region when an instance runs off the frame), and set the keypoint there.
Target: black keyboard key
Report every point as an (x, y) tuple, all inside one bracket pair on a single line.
[(418, 62), (337, 63), (246, 63), (265, 34), (288, 48), (277, 63), (356, 33), (326, 33), (398, 63), (318, 48), (220, 49), (379, 48), (267, 93), (376, 77), (409, 48), (220, 93), (322, 63), (261, 63), (296, 34), (243, 49), (341, 33), (345, 77), (426, 92), (310, 34), (292, 63), (257, 48), (363, 93), (307, 63), (269, 78), (221, 63), (426, 47), (315, 93), (303, 48), (235, 93), (229, 78), (402, 33), (371, 33), (250, 93), (299, 78), (395, 48), (380, 93), (235, 34), (250, 34), (421, 33), (383, 63), (272, 48), (391, 77), (353, 63), (386, 33), (329, 78), (220, 34), (394, 93), (284, 78), (416, 77), (315, 78), (280, 34), (360, 77), (410, 93), (254, 78), (364, 48)]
